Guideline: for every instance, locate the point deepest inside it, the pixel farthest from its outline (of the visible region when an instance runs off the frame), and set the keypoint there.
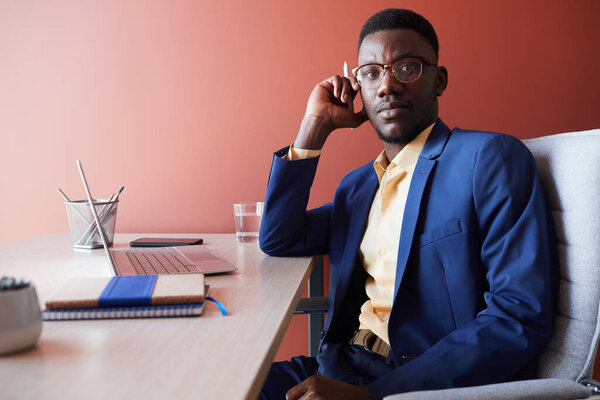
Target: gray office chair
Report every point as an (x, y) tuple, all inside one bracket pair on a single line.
[(569, 167)]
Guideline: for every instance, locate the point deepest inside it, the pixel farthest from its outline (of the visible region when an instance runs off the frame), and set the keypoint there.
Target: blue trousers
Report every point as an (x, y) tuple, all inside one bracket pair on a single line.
[(349, 363)]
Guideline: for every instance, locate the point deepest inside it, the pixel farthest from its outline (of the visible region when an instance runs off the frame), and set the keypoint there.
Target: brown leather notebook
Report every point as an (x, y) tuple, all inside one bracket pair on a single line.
[(128, 291)]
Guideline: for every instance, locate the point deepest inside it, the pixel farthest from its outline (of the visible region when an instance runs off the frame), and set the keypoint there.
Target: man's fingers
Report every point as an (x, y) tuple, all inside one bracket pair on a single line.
[(320, 387), (332, 100), (338, 84), (296, 392), (347, 92), (344, 89)]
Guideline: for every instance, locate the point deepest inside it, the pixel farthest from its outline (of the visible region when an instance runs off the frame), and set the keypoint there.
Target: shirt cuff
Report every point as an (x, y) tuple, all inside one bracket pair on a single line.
[(300, 154)]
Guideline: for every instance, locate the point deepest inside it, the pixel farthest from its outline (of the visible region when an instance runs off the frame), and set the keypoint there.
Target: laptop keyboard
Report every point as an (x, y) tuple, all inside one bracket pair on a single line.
[(158, 260)]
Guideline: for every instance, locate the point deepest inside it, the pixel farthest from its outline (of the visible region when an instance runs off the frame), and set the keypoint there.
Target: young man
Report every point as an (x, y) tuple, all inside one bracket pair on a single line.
[(443, 271)]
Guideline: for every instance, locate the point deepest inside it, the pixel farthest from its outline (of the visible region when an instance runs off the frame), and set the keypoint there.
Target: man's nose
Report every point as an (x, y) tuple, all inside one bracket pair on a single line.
[(389, 84)]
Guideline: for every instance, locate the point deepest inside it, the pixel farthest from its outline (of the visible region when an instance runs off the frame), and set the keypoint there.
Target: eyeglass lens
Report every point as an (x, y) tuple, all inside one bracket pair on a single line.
[(405, 70)]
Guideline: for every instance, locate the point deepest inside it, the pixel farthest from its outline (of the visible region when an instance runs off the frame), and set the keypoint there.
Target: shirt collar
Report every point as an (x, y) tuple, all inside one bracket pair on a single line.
[(407, 157)]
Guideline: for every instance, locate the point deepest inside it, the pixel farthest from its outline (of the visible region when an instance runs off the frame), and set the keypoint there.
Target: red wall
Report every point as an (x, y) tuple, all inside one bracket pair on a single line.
[(183, 102)]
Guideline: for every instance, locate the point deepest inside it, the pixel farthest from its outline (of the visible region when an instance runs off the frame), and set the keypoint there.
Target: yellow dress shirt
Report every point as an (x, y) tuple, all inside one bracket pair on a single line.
[(379, 246)]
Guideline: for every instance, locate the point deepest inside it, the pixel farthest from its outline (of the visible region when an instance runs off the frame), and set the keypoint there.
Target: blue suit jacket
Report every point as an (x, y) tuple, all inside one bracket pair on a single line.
[(476, 276)]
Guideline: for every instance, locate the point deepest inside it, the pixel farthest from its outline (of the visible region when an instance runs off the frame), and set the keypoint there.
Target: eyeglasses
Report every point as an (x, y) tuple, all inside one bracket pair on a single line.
[(406, 70)]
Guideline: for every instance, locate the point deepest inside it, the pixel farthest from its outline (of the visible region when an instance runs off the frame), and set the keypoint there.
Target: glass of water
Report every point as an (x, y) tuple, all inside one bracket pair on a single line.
[(247, 220)]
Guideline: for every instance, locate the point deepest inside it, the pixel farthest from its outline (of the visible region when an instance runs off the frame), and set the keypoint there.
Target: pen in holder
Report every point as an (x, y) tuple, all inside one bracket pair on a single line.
[(84, 231)]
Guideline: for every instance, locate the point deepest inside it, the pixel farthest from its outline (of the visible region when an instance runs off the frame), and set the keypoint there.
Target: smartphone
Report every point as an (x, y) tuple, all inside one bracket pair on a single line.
[(163, 242)]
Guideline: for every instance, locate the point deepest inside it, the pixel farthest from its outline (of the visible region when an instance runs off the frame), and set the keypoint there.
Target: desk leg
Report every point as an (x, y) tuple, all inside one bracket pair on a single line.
[(315, 321)]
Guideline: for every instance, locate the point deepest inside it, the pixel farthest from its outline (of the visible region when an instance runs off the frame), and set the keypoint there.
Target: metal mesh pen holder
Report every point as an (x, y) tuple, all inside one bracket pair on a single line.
[(84, 231)]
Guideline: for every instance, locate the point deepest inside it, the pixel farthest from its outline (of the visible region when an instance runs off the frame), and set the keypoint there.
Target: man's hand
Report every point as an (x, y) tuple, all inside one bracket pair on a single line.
[(327, 110), (318, 387)]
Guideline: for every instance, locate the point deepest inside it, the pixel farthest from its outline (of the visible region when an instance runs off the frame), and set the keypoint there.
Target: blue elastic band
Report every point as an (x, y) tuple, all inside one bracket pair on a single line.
[(128, 291), (221, 306)]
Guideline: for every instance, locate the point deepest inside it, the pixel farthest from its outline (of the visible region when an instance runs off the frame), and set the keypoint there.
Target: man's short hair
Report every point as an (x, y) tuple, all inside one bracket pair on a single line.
[(396, 18)]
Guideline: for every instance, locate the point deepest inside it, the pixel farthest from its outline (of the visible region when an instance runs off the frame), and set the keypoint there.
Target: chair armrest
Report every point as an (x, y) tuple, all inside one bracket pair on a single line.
[(312, 305), (535, 389)]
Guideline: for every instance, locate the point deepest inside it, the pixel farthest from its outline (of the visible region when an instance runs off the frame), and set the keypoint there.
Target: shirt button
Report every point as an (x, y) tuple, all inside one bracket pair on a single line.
[(381, 252), (386, 211)]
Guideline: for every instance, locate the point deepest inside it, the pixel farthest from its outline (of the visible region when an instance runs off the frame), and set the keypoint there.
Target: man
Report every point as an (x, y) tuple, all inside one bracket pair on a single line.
[(442, 256)]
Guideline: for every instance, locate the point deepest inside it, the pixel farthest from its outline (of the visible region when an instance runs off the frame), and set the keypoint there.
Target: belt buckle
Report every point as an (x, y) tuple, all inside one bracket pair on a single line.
[(364, 344), (367, 346)]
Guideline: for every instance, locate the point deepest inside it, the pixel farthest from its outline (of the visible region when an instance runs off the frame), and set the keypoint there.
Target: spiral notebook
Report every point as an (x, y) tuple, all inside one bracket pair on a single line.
[(149, 296), (180, 310)]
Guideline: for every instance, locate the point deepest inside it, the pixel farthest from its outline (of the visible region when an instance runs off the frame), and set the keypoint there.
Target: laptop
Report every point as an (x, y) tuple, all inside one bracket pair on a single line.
[(158, 260), (168, 260)]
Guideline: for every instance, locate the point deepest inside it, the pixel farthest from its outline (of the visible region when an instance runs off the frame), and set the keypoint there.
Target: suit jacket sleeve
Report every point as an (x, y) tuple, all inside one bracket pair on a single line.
[(516, 255), (287, 229)]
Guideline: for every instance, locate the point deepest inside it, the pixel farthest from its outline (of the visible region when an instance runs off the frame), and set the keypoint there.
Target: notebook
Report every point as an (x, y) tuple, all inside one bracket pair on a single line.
[(180, 310), (128, 297)]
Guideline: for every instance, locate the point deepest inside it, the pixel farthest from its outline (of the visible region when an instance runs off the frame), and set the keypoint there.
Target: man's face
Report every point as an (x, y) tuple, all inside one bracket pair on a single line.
[(400, 111)]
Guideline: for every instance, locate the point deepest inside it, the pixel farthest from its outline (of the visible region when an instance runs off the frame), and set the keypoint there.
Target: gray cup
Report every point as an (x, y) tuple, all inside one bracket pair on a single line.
[(20, 319)]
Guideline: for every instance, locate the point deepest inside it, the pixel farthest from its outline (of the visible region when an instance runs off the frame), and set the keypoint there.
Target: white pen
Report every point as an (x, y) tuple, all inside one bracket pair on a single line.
[(347, 75), (350, 101)]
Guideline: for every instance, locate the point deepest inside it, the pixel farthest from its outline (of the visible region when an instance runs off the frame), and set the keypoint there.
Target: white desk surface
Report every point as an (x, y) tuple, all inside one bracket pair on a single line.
[(209, 357)]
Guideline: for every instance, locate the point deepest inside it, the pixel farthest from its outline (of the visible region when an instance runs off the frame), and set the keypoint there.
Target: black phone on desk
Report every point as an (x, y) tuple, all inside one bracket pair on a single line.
[(164, 242)]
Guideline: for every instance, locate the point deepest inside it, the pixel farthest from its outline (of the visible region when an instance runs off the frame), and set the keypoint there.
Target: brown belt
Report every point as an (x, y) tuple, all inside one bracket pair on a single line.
[(371, 342)]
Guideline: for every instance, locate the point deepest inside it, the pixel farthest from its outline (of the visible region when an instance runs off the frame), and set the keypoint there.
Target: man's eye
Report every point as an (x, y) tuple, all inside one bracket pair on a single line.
[(408, 68), (371, 73)]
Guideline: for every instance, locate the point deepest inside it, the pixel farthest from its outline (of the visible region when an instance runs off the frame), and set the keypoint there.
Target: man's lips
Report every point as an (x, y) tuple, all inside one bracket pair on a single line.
[(392, 109)]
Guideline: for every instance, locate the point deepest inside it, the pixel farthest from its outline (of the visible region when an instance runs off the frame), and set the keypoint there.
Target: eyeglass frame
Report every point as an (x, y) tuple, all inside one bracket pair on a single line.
[(422, 60)]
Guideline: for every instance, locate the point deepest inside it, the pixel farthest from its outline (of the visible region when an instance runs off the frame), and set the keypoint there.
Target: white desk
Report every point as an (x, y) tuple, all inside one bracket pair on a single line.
[(210, 357)]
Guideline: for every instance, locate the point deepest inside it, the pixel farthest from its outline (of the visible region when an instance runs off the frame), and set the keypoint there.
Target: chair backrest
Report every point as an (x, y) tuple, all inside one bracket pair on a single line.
[(569, 167)]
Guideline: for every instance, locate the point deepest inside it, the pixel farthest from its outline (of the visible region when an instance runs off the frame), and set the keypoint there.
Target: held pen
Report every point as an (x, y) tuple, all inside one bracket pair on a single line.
[(347, 75)]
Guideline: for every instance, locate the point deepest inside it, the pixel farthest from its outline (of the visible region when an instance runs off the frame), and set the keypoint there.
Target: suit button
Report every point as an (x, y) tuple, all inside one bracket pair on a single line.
[(322, 334)]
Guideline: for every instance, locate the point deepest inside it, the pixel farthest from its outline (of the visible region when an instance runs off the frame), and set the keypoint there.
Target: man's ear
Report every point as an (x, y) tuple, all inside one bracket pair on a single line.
[(442, 80)]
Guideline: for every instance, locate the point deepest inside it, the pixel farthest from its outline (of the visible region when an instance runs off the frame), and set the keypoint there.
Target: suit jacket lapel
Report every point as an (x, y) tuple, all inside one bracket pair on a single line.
[(432, 149)]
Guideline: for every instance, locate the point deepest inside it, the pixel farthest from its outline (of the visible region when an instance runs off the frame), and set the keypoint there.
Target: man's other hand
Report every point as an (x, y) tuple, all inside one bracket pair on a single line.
[(318, 387), (327, 110)]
